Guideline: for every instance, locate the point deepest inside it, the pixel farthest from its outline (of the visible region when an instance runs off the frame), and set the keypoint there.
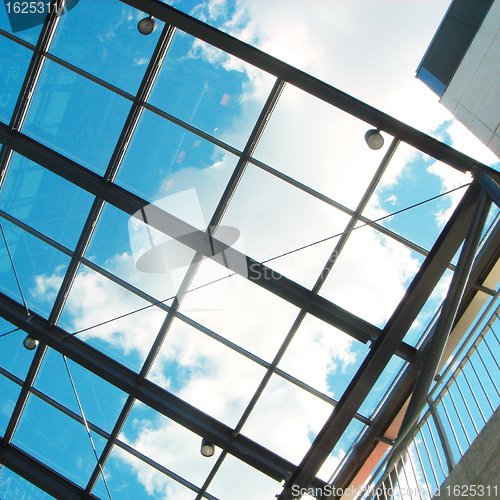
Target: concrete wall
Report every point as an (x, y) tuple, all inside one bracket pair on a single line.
[(473, 95), (479, 466)]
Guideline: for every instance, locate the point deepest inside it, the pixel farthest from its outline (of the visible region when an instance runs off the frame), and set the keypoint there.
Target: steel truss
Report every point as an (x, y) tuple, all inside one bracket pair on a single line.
[(385, 342)]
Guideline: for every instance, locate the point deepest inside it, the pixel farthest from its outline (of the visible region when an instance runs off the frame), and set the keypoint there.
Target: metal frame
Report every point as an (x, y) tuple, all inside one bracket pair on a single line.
[(386, 342)]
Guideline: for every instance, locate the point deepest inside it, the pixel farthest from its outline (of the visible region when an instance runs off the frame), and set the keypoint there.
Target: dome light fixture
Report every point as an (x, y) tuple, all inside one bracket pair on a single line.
[(146, 26), (207, 448), (374, 139), (30, 343)]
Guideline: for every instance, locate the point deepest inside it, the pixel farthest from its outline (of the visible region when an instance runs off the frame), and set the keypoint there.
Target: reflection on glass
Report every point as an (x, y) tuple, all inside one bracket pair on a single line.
[(211, 90), (14, 61), (100, 310), (57, 440), (236, 479), (167, 443), (76, 117), (379, 389), (102, 38), (101, 401), (164, 159), (320, 146), (13, 357), (301, 415), (14, 487), (40, 269), (323, 357), (202, 371), (44, 201), (9, 392)]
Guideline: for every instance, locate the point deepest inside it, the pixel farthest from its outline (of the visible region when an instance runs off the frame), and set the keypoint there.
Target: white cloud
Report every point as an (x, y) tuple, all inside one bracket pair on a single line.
[(370, 49)]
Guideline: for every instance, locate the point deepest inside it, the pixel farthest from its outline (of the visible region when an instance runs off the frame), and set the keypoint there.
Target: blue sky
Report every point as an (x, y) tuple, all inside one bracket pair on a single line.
[(318, 146)]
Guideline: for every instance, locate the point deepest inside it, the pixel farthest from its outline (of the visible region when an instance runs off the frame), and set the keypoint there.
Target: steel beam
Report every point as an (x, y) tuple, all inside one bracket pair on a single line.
[(40, 475), (131, 204), (308, 83), (448, 312), (149, 393), (417, 294)]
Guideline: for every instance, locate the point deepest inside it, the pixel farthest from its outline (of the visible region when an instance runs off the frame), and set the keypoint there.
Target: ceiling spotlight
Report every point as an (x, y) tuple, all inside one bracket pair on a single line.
[(30, 343), (207, 448), (374, 139), (146, 26)]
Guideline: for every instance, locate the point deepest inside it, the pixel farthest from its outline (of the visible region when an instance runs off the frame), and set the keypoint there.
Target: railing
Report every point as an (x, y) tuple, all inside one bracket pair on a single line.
[(469, 394)]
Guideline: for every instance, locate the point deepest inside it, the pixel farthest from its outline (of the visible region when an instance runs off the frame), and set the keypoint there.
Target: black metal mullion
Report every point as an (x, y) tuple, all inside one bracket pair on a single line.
[(193, 238), (384, 347), (374, 225), (72, 270), (128, 130), (17, 120), (214, 222), (146, 391), (355, 217)]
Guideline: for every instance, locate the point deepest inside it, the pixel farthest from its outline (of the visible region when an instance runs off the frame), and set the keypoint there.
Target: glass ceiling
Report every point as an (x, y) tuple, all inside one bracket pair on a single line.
[(239, 343)]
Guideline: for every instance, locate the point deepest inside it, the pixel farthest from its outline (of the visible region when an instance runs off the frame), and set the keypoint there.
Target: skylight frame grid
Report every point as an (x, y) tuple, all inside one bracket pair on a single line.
[(186, 319), (244, 156)]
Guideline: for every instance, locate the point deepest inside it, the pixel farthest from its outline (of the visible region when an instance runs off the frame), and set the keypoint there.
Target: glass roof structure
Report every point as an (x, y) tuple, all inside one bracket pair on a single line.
[(199, 255)]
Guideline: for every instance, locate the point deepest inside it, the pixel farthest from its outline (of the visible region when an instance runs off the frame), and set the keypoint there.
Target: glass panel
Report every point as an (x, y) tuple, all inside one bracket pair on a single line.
[(57, 440), (203, 372), (242, 312), (45, 201), (276, 218), (14, 61), (236, 479), (40, 269), (111, 248), (101, 401), (164, 159), (129, 478), (211, 90), (30, 35), (338, 453), (319, 146), (9, 392), (428, 312), (103, 39), (300, 415), (13, 356), (99, 309), (14, 487), (412, 179), (76, 117), (380, 388), (370, 275), (323, 357), (168, 444)]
